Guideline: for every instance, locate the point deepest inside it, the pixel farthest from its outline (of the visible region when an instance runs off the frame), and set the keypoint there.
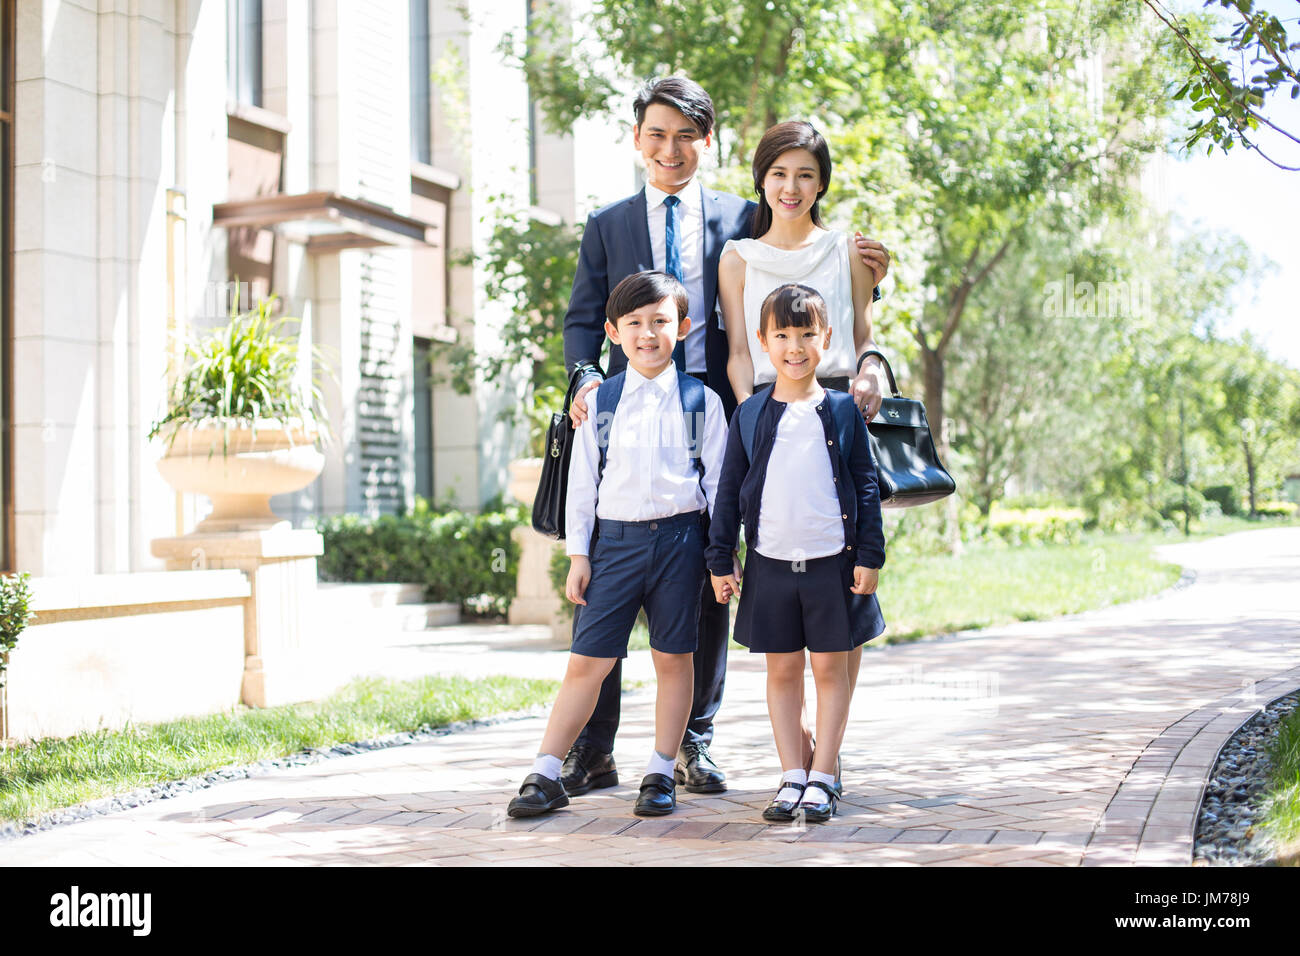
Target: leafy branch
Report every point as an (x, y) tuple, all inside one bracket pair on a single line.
[(1235, 104)]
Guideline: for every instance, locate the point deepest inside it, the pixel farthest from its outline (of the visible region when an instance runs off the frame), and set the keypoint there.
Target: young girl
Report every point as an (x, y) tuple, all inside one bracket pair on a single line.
[(798, 472), (792, 172)]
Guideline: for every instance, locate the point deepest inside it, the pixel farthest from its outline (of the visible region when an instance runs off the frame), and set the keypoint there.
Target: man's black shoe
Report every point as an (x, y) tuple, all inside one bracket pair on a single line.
[(587, 769), (696, 771), (538, 795), (658, 796)]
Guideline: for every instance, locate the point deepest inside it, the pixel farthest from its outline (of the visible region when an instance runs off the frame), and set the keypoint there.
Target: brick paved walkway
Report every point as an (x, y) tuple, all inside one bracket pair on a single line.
[(1084, 740)]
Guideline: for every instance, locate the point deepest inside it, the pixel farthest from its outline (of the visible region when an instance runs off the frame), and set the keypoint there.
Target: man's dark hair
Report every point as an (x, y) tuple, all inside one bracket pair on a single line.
[(793, 305), (685, 96), (642, 289)]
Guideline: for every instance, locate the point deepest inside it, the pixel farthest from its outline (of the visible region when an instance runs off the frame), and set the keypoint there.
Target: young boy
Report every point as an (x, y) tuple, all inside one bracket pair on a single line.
[(635, 531)]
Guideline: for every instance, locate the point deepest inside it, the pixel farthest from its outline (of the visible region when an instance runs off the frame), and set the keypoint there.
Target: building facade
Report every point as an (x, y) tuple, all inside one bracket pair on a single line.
[(341, 155)]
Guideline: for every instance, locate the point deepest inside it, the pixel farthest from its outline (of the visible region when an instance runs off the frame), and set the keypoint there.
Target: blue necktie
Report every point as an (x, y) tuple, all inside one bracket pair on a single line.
[(673, 265)]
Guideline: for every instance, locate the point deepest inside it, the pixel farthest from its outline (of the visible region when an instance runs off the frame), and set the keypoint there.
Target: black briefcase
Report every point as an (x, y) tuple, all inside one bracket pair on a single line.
[(553, 488), (907, 462)]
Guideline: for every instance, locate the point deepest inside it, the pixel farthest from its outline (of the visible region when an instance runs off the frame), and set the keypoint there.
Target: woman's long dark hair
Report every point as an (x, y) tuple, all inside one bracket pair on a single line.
[(780, 139)]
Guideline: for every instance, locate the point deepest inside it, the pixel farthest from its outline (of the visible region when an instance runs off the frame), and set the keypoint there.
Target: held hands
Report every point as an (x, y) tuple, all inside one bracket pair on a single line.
[(865, 580), (874, 254), (724, 587), (575, 586), (578, 410)]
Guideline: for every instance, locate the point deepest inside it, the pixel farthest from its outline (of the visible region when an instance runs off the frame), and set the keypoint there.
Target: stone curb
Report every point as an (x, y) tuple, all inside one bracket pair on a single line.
[(1164, 789)]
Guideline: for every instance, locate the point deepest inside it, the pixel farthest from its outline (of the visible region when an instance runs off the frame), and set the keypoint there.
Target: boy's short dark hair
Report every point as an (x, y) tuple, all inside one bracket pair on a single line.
[(685, 96), (793, 306), (642, 289)]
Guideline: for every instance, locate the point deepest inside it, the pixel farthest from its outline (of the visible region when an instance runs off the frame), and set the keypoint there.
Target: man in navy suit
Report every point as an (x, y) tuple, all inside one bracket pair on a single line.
[(676, 225)]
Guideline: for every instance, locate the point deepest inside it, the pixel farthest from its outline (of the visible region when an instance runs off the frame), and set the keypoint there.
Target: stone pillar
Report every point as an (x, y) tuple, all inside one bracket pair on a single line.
[(535, 599), (288, 657)]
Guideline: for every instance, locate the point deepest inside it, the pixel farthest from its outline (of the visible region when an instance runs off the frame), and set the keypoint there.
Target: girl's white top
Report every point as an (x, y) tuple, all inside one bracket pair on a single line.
[(799, 514), (822, 265)]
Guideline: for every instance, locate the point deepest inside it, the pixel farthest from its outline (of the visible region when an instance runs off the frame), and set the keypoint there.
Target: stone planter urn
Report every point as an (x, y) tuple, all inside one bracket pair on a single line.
[(288, 657), (535, 600), (240, 469)]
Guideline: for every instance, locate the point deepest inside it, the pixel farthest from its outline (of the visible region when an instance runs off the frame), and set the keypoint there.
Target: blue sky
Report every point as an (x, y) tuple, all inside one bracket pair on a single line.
[(1244, 194)]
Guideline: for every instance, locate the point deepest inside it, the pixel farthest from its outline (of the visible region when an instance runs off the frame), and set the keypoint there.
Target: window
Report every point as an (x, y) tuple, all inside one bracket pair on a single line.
[(421, 138), (244, 51), (423, 419), (6, 270)]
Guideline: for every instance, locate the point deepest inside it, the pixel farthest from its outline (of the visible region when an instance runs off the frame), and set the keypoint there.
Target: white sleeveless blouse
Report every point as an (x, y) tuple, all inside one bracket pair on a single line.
[(824, 266)]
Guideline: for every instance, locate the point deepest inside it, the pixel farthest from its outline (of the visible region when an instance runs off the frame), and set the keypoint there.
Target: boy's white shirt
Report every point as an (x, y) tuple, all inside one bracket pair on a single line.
[(648, 469)]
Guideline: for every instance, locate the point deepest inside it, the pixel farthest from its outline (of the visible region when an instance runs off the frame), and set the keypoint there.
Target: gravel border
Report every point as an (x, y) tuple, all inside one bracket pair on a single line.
[(302, 758), (1225, 831)]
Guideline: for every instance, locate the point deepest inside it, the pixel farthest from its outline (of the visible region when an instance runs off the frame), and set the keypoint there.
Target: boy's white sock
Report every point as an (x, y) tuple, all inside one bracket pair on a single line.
[(790, 794), (660, 764), (816, 776), (548, 766)]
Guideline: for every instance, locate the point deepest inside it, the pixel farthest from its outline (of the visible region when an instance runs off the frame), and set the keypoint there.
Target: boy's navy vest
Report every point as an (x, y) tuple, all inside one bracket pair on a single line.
[(691, 392)]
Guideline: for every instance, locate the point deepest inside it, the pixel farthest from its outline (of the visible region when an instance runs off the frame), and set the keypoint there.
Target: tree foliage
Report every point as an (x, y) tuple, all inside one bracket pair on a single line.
[(1221, 82), (996, 149)]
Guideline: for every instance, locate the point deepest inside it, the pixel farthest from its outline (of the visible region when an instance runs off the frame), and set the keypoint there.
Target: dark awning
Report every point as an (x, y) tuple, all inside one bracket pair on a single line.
[(327, 222)]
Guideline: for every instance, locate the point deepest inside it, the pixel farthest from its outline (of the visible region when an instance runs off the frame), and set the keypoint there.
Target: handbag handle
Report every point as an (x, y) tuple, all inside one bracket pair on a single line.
[(580, 370), (893, 386)]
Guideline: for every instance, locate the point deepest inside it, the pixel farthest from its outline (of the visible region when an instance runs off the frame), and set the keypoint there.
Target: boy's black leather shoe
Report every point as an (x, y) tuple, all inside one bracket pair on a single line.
[(696, 770), (587, 769), (538, 795), (658, 796)]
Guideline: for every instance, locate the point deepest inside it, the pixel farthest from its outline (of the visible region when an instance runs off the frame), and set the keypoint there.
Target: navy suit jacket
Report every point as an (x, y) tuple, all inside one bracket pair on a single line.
[(616, 244)]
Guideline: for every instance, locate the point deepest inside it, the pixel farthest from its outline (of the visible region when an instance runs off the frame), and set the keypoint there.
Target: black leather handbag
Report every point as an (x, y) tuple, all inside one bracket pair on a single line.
[(553, 487), (907, 462)]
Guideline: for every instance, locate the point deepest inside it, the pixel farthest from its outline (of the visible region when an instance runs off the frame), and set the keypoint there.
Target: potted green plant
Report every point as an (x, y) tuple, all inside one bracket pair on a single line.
[(15, 615), (241, 425)]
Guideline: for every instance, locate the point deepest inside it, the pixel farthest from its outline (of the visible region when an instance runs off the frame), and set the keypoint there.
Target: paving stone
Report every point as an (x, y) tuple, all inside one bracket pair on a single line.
[(919, 836)]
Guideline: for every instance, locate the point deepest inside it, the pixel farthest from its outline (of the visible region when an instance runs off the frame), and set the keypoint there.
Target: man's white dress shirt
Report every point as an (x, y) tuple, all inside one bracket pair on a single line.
[(690, 243)]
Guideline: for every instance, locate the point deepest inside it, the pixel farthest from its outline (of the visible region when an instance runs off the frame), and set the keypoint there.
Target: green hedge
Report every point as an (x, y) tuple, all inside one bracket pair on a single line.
[(469, 558), (1026, 526)]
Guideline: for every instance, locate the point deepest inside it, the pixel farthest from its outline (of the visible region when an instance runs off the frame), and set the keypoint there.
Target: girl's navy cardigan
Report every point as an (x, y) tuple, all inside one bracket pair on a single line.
[(740, 486)]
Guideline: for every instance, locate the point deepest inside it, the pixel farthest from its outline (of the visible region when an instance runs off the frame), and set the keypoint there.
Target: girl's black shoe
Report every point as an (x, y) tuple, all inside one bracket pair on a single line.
[(782, 811), (819, 812)]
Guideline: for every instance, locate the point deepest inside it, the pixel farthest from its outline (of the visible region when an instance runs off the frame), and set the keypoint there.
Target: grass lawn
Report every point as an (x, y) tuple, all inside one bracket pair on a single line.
[(1282, 815), (53, 773), (986, 586)]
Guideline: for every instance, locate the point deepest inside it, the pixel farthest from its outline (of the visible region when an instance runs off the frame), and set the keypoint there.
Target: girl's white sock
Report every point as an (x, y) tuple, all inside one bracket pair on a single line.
[(816, 776), (790, 794), (660, 764), (548, 766)]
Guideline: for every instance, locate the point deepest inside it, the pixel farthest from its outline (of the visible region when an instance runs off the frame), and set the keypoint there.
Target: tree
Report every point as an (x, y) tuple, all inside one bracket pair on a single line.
[(1234, 97), (1261, 409)]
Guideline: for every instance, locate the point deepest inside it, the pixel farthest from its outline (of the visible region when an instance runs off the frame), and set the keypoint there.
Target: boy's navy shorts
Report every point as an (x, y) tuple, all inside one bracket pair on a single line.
[(787, 606), (655, 564)]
